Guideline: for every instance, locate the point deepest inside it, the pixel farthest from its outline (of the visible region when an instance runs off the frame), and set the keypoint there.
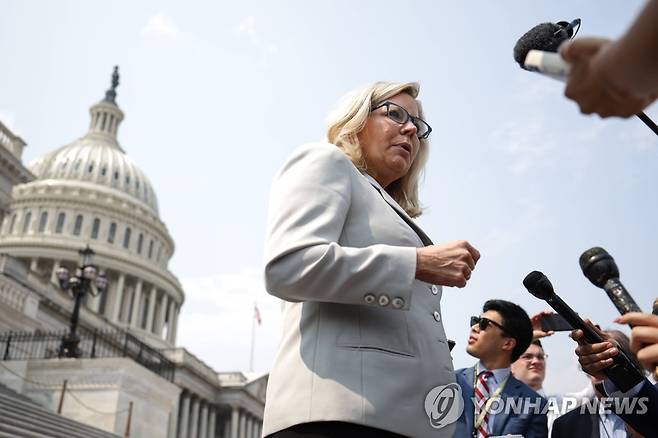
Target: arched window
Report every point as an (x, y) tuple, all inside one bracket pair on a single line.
[(126, 238), (112, 233), (140, 243), (78, 225), (60, 223), (43, 221), (151, 249), (27, 221), (95, 228)]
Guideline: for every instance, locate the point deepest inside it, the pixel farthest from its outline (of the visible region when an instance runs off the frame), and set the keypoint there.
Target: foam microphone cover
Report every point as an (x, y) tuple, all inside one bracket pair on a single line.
[(545, 36)]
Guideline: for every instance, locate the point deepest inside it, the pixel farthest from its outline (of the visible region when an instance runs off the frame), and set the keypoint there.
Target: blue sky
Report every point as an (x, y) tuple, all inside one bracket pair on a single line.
[(217, 94)]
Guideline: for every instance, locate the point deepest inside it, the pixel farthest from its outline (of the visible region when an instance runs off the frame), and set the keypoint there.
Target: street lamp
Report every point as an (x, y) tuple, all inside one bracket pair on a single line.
[(87, 280)]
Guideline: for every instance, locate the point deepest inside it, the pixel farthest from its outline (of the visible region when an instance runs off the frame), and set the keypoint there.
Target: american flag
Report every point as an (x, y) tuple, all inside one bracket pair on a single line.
[(257, 315)]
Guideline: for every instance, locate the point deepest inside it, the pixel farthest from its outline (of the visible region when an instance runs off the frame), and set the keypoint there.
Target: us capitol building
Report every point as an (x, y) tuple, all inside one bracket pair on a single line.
[(129, 379)]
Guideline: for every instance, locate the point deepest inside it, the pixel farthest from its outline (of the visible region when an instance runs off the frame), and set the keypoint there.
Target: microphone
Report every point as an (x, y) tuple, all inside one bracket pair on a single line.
[(546, 37), (655, 307), (600, 268), (622, 372)]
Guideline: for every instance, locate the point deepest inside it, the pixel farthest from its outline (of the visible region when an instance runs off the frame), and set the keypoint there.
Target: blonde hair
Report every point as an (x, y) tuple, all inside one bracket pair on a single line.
[(350, 117)]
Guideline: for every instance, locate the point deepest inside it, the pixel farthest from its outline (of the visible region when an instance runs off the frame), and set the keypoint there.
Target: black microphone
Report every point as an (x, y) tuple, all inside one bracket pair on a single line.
[(655, 307), (546, 37), (600, 268), (622, 372)]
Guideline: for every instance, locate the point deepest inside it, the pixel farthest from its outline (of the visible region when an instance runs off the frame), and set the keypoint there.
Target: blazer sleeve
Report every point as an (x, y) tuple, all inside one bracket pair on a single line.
[(304, 261)]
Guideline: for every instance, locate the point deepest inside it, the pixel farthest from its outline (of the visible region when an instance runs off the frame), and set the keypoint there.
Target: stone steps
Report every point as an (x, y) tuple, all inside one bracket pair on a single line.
[(25, 419)]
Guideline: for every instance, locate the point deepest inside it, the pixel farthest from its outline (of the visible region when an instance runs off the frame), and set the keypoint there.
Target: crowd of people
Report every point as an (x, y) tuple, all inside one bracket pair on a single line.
[(363, 351)]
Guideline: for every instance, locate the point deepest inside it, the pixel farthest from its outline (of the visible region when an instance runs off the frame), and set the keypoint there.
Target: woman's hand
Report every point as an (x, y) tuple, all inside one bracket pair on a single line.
[(644, 337), (448, 264)]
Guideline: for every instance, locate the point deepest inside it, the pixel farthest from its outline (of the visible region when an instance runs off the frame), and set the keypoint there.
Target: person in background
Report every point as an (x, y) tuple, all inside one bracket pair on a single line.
[(592, 420), (498, 337), (616, 78)]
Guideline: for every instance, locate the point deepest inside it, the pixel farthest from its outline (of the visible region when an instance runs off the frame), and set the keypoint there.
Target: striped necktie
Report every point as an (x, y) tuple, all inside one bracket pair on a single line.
[(482, 394)]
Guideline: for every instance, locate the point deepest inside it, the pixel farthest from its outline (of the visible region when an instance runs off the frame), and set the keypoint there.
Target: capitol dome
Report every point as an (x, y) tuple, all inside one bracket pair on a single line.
[(90, 192)]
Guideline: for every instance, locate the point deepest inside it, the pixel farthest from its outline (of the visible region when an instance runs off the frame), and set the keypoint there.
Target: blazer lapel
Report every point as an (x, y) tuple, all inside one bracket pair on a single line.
[(469, 392), (405, 217)]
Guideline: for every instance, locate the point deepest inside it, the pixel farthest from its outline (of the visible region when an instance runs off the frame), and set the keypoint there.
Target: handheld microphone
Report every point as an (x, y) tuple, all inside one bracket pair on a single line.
[(655, 307), (600, 268), (546, 37), (622, 372)]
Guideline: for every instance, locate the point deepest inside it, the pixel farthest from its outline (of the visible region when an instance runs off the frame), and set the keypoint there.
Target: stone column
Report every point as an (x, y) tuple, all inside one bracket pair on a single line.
[(53, 274), (203, 426), (115, 299), (151, 312), (34, 265), (170, 318), (173, 422), (212, 422), (184, 415), (194, 421), (235, 419), (137, 301), (249, 429), (160, 318), (243, 425), (124, 314), (174, 330)]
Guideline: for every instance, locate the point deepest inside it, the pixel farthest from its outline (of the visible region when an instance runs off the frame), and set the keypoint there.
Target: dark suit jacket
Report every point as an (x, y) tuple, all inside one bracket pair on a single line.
[(647, 423), (526, 422), (575, 424)]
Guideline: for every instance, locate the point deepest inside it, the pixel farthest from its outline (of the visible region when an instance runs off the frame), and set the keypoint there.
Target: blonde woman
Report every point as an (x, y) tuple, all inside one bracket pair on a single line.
[(363, 346)]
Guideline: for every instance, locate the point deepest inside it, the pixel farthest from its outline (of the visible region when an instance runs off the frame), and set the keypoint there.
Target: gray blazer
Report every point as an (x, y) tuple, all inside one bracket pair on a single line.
[(363, 341)]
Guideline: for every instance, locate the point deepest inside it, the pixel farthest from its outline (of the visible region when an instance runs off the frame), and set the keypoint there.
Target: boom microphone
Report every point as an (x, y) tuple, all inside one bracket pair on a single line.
[(600, 268), (546, 37), (622, 372)]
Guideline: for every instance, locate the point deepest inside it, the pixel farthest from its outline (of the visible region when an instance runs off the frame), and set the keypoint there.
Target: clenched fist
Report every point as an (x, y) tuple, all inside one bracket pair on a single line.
[(448, 264)]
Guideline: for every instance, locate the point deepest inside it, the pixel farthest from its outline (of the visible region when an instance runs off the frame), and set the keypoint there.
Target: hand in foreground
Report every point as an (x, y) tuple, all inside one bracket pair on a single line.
[(644, 337), (588, 82), (594, 358), (537, 331), (447, 264)]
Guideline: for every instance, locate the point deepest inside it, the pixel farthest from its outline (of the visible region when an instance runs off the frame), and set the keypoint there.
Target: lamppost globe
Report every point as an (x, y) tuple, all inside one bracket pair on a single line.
[(101, 282), (89, 272), (63, 276)]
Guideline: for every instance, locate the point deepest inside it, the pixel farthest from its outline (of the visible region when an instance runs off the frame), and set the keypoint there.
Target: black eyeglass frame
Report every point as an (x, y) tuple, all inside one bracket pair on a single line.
[(413, 119), (483, 323)]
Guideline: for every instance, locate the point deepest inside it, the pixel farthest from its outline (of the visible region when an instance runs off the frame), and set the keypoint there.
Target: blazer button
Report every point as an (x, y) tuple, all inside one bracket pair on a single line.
[(437, 316), (383, 300), (397, 302), (435, 289), (369, 298)]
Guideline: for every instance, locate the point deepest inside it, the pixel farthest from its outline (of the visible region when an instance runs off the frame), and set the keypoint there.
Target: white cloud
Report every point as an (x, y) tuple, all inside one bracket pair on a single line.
[(526, 143), (161, 25), (247, 29), (217, 320)]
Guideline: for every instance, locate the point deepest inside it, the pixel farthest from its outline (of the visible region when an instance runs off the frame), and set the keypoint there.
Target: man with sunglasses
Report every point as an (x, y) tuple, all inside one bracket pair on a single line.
[(495, 403)]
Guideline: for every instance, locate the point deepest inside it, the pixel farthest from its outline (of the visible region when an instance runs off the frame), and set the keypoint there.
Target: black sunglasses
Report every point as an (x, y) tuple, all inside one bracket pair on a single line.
[(483, 323)]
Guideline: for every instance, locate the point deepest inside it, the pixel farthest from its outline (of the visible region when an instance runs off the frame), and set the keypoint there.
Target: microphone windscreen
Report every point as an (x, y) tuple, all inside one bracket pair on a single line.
[(539, 285), (655, 307), (545, 36)]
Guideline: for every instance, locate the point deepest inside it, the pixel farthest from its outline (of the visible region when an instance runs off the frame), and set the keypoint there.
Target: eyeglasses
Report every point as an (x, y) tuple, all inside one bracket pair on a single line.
[(400, 115), (539, 356), (483, 323)]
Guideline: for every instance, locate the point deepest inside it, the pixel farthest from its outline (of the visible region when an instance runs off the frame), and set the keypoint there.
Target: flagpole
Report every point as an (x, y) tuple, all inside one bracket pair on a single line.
[(253, 338)]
